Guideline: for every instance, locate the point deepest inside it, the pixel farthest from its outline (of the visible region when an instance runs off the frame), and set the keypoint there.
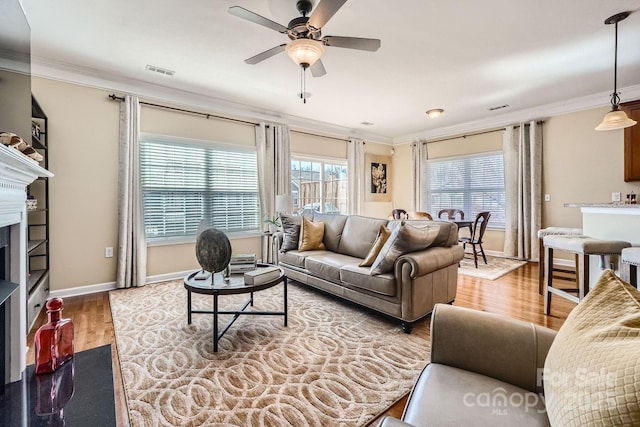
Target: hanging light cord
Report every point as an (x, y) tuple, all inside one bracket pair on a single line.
[(303, 84), (615, 98)]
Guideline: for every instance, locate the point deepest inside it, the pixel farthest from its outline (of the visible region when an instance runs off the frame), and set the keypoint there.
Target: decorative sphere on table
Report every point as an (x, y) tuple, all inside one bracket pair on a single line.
[(213, 250)]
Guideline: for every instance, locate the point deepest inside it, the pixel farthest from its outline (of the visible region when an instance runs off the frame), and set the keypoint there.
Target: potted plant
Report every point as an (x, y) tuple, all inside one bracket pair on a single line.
[(274, 223)]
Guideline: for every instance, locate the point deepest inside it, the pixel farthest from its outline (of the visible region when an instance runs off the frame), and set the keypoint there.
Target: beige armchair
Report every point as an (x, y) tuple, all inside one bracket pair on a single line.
[(479, 361)]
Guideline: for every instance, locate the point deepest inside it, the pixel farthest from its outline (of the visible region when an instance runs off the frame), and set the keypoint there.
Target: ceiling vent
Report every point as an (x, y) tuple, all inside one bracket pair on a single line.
[(160, 70), (499, 107)]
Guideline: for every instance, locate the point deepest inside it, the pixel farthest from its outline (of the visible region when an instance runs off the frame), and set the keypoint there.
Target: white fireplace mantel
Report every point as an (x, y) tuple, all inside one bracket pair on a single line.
[(16, 173)]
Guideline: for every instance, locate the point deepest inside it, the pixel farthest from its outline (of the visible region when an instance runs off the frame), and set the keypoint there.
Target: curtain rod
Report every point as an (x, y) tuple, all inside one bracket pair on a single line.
[(465, 135), (476, 133), (321, 136), (114, 97)]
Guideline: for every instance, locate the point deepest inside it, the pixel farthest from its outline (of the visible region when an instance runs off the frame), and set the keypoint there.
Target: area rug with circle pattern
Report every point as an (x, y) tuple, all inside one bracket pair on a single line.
[(335, 364)]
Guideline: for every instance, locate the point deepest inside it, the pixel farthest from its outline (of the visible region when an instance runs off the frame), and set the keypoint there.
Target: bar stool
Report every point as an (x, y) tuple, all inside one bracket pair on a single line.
[(553, 231), (630, 260), (583, 246)]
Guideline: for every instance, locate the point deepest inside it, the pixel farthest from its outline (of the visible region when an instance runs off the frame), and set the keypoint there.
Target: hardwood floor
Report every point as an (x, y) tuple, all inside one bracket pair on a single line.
[(514, 295)]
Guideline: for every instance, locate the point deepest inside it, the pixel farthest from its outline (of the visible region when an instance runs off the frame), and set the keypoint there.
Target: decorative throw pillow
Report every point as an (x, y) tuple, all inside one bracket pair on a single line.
[(383, 236), (311, 234), (291, 232), (404, 239), (592, 372)]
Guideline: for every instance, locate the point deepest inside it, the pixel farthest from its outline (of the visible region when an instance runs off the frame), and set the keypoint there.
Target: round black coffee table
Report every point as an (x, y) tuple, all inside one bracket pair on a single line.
[(235, 284)]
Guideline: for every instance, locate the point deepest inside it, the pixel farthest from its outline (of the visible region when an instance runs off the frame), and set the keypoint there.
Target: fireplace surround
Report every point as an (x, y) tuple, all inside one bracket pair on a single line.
[(16, 173)]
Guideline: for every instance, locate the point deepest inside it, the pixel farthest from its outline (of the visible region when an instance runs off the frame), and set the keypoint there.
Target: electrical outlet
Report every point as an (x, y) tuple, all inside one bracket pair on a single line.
[(615, 197), (108, 252), (547, 197)]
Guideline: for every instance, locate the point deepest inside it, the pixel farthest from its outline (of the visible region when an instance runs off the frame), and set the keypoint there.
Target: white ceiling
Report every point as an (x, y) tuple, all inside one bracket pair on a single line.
[(539, 57)]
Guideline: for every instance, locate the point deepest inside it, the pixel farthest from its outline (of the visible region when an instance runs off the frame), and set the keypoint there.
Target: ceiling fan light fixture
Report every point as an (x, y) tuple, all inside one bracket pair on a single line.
[(305, 52), (435, 113), (616, 118)]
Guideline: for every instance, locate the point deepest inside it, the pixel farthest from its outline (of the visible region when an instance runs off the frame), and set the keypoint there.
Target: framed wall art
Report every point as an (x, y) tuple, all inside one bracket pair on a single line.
[(377, 172)]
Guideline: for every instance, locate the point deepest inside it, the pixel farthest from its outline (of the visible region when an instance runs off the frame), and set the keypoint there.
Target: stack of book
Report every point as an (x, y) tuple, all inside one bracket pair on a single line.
[(261, 275), (242, 263)]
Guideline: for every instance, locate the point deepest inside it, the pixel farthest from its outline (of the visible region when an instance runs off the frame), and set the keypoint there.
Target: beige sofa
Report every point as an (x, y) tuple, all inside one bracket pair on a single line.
[(489, 370), (418, 280)]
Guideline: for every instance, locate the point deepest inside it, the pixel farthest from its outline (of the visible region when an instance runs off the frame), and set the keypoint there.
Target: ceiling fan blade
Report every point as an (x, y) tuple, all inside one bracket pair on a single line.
[(317, 69), (243, 13), (352, 43), (266, 54), (324, 11)]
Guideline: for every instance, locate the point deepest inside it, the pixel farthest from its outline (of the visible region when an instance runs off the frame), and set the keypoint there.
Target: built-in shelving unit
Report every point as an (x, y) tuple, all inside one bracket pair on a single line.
[(38, 222)]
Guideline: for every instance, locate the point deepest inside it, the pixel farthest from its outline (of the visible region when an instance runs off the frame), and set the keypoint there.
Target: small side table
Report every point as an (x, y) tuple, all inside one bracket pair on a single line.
[(266, 248)]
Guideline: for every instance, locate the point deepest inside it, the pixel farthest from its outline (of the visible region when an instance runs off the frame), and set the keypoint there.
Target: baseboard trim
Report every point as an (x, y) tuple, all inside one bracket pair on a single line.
[(110, 286)]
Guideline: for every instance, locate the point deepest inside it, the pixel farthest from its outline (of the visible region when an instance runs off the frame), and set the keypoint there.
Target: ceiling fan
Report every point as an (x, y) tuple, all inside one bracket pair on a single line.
[(307, 44)]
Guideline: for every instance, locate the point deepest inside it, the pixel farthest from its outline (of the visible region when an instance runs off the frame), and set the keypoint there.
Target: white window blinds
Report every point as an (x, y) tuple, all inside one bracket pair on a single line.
[(184, 183), (473, 183)]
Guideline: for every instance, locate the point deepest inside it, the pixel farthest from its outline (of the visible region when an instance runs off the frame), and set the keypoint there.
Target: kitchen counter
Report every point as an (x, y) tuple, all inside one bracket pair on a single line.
[(612, 205), (609, 221)]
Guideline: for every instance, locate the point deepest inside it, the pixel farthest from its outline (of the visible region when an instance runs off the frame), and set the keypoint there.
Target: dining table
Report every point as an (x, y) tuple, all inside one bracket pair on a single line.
[(461, 223)]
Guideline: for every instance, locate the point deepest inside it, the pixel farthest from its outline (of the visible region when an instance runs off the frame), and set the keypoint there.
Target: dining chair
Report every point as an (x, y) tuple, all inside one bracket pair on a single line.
[(399, 214), (477, 232), (419, 215), (450, 214)]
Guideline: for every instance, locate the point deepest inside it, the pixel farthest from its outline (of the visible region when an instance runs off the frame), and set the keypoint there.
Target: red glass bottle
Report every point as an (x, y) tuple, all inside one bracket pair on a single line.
[(54, 340)]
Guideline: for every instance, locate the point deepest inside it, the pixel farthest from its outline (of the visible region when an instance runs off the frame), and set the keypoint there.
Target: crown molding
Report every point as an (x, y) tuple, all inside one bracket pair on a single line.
[(536, 113), (99, 79), (84, 76)]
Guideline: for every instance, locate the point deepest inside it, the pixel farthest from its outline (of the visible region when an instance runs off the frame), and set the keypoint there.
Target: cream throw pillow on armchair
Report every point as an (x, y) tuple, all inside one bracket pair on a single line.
[(592, 372)]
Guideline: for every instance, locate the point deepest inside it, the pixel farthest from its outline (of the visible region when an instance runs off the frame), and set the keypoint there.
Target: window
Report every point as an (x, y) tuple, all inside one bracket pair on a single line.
[(472, 183), (184, 182), (320, 185)]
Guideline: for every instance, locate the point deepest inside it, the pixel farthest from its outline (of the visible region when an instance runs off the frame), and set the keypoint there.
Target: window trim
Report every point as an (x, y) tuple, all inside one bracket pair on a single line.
[(425, 185), (299, 157), (201, 143)]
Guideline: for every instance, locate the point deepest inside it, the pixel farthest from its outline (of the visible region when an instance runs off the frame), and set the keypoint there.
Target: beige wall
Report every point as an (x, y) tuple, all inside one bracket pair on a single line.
[(83, 136), (493, 239), (580, 165), (83, 155), (302, 143), (83, 133)]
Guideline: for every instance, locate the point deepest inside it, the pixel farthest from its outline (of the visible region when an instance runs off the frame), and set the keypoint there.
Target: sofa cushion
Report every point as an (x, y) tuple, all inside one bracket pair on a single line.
[(359, 234), (355, 276), (296, 258), (311, 234), (404, 239), (592, 372), (382, 238), (448, 396), (291, 232), (326, 265), (333, 226)]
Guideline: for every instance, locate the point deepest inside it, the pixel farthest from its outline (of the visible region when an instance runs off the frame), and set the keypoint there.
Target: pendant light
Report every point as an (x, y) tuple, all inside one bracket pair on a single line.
[(616, 118)]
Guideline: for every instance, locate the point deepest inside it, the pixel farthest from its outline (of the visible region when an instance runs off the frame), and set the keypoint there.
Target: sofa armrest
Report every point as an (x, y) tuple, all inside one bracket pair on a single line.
[(277, 241), (431, 259), (506, 349), (393, 422)]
